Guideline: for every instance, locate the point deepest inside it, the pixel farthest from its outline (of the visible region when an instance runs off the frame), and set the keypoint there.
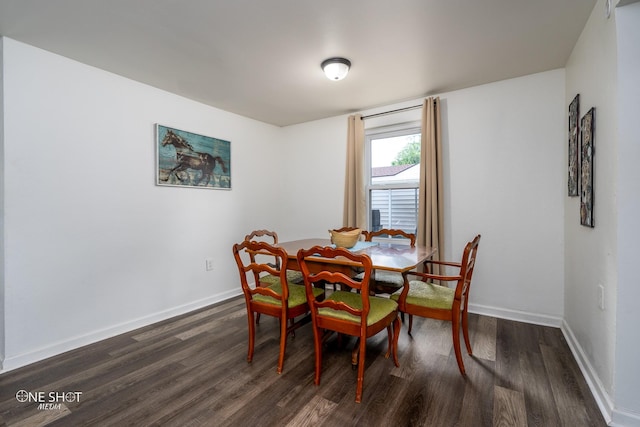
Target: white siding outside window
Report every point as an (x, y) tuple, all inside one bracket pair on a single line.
[(398, 208)]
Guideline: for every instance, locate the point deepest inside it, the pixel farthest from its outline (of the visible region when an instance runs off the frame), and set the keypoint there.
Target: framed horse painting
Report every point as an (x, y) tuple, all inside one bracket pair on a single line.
[(186, 159)]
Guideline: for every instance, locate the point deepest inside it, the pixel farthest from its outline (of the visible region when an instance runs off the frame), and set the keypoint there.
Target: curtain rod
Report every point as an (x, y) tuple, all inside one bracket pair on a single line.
[(413, 107), (392, 111)]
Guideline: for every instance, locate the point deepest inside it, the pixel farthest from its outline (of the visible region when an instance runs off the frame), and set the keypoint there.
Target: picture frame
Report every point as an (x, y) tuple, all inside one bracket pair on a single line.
[(574, 171), (587, 151), (187, 159)]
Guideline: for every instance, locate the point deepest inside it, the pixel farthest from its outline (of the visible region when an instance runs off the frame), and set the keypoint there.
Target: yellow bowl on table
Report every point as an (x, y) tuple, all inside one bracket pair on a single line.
[(345, 239)]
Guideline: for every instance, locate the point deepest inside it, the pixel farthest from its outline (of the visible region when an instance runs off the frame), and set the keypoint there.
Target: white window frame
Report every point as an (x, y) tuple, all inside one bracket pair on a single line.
[(409, 128)]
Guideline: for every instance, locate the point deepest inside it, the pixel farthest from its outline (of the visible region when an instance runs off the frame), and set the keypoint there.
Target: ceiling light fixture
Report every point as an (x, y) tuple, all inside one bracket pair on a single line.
[(336, 68)]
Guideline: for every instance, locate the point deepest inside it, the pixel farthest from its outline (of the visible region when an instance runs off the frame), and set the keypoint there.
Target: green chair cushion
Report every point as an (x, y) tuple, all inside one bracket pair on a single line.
[(297, 295), (293, 276), (379, 307), (386, 277), (389, 277), (427, 295)]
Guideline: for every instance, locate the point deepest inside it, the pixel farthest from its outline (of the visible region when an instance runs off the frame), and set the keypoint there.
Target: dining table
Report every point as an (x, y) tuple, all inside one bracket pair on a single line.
[(396, 257)]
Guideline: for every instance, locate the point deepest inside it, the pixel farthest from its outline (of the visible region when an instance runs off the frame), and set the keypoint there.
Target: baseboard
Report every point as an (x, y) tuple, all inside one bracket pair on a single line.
[(595, 385), (612, 415), (519, 316), (624, 419), (54, 349)]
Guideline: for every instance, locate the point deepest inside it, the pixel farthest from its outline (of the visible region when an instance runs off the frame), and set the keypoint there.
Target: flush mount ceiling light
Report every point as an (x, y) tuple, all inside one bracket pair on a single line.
[(336, 68)]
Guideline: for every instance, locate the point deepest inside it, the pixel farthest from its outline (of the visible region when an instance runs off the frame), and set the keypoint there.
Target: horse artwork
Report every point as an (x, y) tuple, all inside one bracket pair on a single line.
[(171, 138), (205, 163), (187, 159)]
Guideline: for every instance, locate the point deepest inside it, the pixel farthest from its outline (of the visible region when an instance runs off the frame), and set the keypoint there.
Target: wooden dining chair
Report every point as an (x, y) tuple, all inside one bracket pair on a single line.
[(427, 299), (272, 238), (388, 281), (352, 313), (283, 300)]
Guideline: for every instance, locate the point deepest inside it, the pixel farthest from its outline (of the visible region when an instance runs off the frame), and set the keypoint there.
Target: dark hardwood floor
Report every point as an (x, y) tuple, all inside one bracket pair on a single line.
[(192, 371)]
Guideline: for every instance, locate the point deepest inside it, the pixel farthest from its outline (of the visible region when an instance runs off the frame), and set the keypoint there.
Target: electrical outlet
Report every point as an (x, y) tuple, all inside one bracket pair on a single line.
[(601, 297), (208, 262)]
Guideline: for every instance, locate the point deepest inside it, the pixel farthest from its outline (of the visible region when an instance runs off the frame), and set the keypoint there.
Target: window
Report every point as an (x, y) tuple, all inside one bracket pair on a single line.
[(393, 159)]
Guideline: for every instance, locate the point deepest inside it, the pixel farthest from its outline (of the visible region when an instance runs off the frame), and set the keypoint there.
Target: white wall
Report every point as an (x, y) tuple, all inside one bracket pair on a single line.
[(626, 373), (591, 253), (506, 169), (92, 246), (504, 149), (2, 304), (312, 178)]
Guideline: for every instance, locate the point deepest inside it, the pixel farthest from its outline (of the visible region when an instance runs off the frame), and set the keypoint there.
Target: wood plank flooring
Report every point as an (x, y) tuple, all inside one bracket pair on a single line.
[(192, 371)]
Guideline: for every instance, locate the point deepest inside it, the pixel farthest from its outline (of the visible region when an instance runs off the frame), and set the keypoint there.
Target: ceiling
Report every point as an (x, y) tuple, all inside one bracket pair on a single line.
[(261, 59)]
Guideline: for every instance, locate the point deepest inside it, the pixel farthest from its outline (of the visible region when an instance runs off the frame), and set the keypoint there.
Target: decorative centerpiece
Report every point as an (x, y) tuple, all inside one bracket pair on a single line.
[(345, 239)]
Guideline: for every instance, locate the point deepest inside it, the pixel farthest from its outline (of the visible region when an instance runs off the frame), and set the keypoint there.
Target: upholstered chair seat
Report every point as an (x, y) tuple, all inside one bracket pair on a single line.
[(297, 295), (379, 307), (428, 295), (293, 276)]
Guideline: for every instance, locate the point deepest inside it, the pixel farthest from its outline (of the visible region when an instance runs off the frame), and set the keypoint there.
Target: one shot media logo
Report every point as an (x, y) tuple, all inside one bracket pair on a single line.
[(48, 400)]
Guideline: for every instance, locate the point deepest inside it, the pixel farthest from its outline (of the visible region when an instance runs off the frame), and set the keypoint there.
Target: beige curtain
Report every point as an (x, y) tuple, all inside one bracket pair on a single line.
[(431, 196), (355, 201)]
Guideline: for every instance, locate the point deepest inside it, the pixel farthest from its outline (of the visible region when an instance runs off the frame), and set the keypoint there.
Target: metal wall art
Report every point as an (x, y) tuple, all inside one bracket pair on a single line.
[(587, 127), (574, 110), (186, 159)]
